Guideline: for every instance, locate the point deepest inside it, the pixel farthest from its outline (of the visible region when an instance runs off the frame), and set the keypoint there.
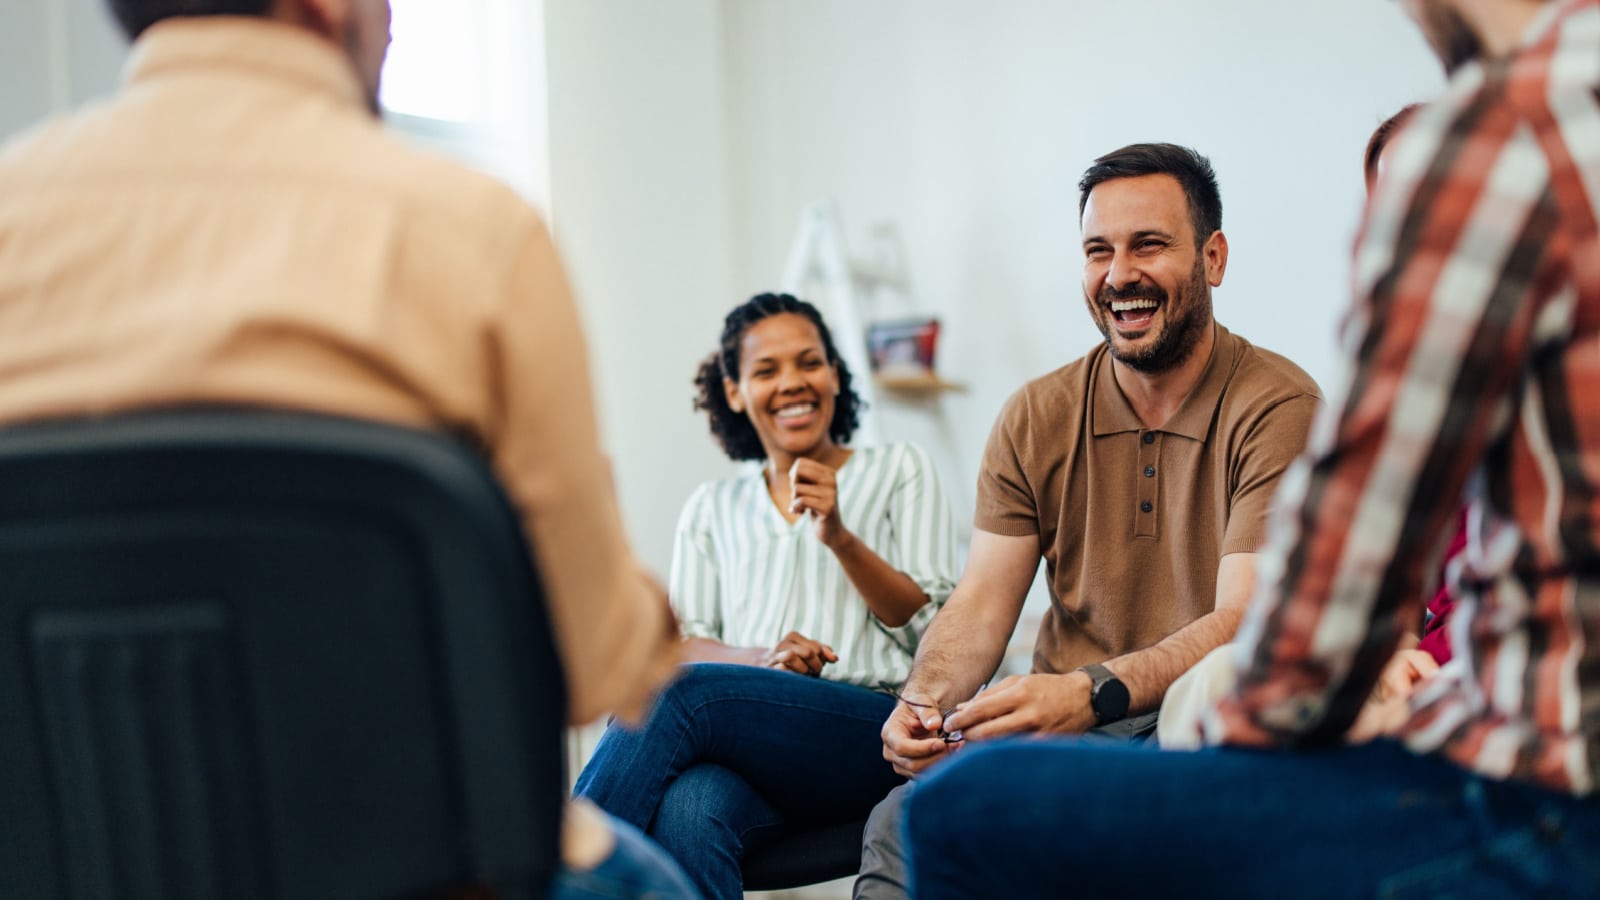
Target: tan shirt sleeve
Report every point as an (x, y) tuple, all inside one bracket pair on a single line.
[(1006, 504), (615, 630), (1266, 451)]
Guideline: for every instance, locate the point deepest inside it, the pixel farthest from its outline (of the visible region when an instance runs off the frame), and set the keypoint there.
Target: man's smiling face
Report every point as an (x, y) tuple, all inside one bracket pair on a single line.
[(1146, 280)]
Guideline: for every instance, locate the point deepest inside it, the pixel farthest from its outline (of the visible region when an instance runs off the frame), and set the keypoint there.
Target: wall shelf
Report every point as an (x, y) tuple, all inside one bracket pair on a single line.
[(926, 383)]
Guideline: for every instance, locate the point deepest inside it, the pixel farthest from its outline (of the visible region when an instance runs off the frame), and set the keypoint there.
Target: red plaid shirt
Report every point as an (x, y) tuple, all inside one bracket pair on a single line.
[(1474, 355)]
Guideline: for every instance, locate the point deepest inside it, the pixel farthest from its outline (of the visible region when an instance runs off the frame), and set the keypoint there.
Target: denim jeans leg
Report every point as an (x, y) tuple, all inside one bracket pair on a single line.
[(709, 819), (1374, 820), (809, 748), (635, 868)]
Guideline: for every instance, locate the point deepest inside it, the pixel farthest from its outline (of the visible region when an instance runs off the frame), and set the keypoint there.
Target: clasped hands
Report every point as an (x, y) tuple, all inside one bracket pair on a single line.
[(916, 737), (800, 654)]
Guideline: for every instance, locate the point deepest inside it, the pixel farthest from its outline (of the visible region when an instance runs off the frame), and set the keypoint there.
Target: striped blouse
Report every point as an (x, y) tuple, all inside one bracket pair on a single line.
[(743, 575), (1475, 362)]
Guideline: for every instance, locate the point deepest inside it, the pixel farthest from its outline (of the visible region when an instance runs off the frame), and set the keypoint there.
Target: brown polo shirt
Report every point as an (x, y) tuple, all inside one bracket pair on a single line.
[(1133, 521)]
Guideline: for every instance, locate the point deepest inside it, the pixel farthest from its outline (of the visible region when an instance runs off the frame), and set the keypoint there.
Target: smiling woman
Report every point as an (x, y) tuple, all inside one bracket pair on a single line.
[(800, 585)]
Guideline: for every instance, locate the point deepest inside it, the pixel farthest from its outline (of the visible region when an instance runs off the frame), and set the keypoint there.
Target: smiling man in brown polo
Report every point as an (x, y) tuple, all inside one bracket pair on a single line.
[(1140, 473)]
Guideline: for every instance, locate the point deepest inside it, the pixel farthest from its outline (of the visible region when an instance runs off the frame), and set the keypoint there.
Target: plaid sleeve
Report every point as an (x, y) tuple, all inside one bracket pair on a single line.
[(1452, 266)]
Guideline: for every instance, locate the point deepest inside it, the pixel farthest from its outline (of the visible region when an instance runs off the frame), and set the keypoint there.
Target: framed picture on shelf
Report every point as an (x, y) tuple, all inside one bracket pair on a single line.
[(904, 348)]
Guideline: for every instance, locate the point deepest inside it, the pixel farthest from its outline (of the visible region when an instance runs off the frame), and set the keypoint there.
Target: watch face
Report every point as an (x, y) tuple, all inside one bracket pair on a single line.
[(1110, 700)]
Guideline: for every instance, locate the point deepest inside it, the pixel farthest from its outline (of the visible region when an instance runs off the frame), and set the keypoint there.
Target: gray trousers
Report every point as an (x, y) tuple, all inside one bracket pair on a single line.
[(885, 872)]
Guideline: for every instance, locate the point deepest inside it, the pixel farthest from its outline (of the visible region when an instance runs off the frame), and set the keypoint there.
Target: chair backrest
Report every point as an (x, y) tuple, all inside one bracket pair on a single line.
[(261, 654)]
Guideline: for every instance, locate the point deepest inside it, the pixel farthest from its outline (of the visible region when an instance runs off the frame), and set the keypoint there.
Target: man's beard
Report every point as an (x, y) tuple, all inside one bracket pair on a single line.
[(1450, 36), (1185, 323)]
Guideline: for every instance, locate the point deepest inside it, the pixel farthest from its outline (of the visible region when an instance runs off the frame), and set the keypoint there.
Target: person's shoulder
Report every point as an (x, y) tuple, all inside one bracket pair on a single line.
[(1557, 61), (1482, 98), (33, 141), (898, 457), (1267, 376), (45, 142), (436, 188), (710, 495), (1054, 391)]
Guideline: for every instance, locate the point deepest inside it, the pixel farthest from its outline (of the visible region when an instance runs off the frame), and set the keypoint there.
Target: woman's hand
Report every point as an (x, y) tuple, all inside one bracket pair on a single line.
[(800, 654), (814, 488)]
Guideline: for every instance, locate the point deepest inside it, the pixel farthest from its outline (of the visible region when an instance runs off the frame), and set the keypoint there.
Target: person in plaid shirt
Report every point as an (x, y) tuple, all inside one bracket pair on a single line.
[(1474, 365)]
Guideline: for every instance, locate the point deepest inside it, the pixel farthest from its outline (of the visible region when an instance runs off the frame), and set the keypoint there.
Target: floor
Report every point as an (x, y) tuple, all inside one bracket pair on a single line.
[(832, 890)]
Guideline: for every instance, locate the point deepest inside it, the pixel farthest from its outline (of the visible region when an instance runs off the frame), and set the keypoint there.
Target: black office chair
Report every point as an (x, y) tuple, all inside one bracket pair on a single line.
[(267, 655), (805, 857)]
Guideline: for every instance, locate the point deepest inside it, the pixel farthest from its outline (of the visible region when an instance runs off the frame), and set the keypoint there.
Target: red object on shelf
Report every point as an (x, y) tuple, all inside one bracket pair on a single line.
[(907, 345)]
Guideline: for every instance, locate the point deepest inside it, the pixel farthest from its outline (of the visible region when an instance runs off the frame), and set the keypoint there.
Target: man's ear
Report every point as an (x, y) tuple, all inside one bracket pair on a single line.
[(1215, 252), (730, 392)]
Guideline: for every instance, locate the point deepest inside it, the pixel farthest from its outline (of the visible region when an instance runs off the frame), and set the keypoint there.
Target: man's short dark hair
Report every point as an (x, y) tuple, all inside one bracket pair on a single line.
[(137, 15), (1192, 170)]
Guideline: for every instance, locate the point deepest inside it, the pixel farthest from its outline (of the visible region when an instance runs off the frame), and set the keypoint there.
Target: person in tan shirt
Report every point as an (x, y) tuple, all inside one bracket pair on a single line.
[(234, 226), (1140, 474)]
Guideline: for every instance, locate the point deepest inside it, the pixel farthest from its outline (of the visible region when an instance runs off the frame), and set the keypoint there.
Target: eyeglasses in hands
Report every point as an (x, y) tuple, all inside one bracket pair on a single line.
[(949, 737)]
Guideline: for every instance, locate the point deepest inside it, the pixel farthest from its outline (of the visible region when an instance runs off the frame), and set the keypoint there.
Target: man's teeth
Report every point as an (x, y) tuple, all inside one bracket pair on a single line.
[(1118, 306), (795, 412)]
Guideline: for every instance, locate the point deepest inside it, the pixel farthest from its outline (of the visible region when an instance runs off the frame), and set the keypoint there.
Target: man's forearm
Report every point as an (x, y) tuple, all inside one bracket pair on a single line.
[(962, 647), (1149, 672), (967, 639)]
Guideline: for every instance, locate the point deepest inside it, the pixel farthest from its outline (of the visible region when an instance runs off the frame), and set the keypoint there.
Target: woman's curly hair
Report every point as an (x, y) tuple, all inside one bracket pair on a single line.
[(733, 430)]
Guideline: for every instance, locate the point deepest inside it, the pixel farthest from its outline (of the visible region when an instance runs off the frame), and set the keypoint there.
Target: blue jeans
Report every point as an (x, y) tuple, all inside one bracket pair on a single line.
[(733, 756), (635, 868), (1048, 819)]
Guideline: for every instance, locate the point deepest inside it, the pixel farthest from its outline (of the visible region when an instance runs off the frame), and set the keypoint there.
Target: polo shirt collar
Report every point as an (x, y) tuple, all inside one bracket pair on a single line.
[(253, 47), (1114, 415)]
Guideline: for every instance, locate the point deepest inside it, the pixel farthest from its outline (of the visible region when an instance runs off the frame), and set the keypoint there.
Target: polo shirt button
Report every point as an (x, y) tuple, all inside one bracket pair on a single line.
[(1145, 506), (1149, 471), (1149, 437)]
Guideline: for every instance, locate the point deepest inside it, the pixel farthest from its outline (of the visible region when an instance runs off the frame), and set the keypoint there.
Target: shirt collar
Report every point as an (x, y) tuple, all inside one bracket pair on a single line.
[(1548, 19), (1113, 414), (249, 46)]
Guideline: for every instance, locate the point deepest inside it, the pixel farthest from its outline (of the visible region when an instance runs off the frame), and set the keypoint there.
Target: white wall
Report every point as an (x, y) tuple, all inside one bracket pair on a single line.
[(640, 198), (54, 54)]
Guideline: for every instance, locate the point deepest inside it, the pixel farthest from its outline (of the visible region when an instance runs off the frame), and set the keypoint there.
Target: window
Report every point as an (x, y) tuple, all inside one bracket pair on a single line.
[(435, 68), (466, 78)]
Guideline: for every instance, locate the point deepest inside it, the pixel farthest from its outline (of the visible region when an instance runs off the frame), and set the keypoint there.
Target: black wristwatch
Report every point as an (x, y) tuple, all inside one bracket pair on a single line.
[(1108, 696)]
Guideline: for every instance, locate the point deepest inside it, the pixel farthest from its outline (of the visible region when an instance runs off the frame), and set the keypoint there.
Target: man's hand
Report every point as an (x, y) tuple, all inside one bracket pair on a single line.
[(1026, 704), (800, 654), (814, 488), (912, 738)]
